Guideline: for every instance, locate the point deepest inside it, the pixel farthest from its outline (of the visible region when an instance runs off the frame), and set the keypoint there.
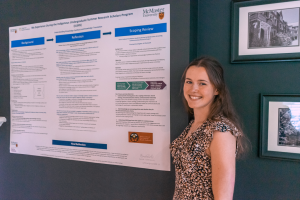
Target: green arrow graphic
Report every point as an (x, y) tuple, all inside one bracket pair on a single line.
[(122, 85), (137, 85)]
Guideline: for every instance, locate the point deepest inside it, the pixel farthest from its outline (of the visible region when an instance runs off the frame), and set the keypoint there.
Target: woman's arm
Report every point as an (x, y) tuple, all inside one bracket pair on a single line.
[(222, 152)]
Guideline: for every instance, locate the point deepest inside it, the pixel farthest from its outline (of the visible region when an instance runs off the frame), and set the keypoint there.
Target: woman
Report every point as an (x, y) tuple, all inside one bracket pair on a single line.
[(204, 154)]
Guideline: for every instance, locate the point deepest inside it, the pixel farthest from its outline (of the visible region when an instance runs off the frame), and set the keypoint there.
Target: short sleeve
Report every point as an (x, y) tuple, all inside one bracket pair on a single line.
[(224, 125)]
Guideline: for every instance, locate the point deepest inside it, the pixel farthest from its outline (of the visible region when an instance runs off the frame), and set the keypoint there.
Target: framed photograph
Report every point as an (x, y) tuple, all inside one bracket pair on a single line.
[(280, 126), (265, 31)]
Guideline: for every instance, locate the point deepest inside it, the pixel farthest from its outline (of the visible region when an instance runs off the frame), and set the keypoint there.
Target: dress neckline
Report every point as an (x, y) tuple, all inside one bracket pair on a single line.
[(189, 127)]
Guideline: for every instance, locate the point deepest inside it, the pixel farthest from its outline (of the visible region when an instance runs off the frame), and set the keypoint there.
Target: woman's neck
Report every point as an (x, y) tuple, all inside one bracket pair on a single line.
[(201, 115)]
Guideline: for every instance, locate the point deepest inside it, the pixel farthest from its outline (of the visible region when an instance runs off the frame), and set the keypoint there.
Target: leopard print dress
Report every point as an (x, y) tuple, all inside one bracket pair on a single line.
[(192, 164)]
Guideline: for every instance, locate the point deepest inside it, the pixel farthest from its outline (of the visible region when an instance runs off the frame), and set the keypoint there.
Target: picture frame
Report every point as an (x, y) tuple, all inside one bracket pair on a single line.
[(280, 126), (265, 31)]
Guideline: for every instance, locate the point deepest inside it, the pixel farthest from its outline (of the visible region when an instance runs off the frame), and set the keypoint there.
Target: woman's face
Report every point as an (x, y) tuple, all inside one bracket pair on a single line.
[(198, 90)]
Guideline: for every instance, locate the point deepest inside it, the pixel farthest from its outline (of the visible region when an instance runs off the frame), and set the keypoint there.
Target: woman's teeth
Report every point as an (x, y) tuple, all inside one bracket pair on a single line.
[(193, 97)]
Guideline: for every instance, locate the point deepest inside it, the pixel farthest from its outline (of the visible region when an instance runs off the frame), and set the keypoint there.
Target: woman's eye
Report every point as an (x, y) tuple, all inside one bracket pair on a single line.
[(202, 83), (188, 82)]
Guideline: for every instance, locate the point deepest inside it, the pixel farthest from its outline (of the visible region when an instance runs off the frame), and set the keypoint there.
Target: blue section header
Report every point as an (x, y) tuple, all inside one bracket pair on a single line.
[(79, 144), (28, 42), (140, 30), (78, 36)]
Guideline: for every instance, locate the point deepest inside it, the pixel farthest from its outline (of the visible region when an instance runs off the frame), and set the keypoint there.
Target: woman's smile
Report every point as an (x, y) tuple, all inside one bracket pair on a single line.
[(194, 97)]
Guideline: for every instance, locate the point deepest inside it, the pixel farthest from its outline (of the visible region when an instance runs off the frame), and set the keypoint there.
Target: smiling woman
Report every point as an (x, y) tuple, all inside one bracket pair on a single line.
[(204, 154)]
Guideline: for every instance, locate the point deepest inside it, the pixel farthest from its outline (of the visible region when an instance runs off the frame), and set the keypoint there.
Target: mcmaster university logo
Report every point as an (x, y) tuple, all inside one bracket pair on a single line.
[(150, 12)]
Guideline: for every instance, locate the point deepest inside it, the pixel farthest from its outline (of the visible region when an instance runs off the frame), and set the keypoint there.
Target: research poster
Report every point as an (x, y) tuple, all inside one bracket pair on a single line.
[(93, 88)]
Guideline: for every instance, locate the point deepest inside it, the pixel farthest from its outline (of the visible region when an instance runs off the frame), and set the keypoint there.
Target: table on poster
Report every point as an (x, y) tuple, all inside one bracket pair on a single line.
[(93, 88)]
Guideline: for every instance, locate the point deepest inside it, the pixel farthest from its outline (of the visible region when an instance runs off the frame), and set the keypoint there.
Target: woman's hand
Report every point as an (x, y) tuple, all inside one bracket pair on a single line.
[(222, 151)]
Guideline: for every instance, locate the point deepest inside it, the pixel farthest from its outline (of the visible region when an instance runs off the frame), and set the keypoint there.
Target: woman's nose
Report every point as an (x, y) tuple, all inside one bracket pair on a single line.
[(195, 87)]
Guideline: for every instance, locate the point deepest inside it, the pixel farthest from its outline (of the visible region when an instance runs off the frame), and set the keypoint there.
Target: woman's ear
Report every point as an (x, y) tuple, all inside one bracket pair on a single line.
[(216, 92)]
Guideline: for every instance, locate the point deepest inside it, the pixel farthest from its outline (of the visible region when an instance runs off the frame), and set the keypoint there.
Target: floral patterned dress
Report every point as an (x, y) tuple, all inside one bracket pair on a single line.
[(192, 164)]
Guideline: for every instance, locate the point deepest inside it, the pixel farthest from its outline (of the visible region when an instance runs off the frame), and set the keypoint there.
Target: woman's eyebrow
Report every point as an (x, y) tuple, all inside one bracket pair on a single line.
[(198, 80), (203, 80)]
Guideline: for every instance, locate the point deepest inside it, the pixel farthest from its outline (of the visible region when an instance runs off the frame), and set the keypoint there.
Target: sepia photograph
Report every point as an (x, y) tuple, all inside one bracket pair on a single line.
[(273, 28)]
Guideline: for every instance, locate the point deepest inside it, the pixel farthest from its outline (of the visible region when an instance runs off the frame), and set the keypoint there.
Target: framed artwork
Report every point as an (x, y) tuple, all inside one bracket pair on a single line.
[(265, 31), (280, 126)]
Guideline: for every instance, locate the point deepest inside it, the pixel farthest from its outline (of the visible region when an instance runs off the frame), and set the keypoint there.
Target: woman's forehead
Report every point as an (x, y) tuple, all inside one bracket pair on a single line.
[(198, 73)]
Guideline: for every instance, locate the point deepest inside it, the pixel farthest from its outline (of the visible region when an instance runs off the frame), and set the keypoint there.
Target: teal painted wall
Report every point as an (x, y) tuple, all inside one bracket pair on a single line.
[(30, 177), (256, 178)]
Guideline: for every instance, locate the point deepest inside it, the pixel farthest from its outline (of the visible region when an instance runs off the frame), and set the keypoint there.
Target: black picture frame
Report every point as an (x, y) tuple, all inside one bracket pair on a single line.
[(268, 134), (240, 44)]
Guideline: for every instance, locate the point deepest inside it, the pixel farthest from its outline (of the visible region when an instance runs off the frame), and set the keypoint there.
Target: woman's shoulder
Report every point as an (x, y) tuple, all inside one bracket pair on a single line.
[(223, 124)]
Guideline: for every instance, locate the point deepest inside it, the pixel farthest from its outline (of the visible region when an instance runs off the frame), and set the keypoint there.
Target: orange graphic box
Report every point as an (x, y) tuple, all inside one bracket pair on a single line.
[(140, 137)]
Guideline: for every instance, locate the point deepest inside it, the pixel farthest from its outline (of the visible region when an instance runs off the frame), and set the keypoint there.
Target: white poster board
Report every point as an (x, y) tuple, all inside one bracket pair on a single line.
[(93, 88)]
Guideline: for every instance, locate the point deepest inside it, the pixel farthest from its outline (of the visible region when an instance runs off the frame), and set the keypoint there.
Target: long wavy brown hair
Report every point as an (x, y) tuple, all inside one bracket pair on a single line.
[(222, 104)]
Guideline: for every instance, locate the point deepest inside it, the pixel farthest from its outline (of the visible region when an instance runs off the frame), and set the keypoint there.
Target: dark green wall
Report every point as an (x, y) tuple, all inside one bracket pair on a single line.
[(31, 177), (35, 178), (256, 178)]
